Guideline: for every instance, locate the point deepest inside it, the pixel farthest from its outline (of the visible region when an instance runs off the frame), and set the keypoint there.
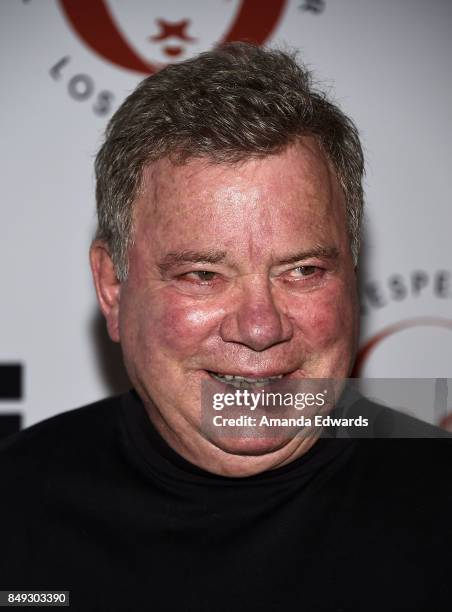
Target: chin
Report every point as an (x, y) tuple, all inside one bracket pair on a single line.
[(251, 446)]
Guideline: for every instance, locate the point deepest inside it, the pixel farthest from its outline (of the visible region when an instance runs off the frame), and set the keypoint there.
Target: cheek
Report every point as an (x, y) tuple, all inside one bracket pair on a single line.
[(180, 325), (327, 320)]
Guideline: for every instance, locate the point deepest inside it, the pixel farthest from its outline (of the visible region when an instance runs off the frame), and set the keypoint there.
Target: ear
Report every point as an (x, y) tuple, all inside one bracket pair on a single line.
[(108, 287)]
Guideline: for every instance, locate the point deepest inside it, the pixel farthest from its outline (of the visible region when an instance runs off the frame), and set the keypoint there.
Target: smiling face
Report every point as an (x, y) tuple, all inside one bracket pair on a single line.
[(236, 269), (163, 31)]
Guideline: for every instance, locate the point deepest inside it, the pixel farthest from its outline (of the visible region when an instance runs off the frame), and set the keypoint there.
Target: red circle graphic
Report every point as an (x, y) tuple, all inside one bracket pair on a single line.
[(95, 25), (370, 345)]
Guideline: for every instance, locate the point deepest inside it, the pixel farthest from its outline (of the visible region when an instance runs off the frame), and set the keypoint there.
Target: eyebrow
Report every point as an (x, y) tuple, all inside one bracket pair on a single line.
[(174, 258), (321, 252)]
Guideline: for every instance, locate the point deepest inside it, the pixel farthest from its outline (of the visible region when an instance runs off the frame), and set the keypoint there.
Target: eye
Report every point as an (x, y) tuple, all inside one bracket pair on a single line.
[(205, 276), (304, 270), (200, 282), (303, 276)]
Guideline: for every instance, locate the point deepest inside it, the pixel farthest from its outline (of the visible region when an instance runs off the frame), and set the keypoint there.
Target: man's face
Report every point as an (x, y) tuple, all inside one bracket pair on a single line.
[(243, 270)]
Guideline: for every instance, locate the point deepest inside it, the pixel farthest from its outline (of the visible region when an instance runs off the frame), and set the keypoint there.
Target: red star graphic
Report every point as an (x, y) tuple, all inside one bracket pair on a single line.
[(176, 29)]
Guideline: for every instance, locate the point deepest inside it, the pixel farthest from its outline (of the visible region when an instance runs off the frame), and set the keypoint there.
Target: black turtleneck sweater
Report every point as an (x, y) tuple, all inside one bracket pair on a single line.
[(93, 501)]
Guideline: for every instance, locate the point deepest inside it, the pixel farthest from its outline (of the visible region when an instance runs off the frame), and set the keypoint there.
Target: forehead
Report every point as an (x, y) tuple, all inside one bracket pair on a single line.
[(277, 196), (301, 169)]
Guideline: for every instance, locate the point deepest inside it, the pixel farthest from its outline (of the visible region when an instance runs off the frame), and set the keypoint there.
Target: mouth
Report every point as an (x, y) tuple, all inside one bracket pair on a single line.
[(173, 50), (246, 382)]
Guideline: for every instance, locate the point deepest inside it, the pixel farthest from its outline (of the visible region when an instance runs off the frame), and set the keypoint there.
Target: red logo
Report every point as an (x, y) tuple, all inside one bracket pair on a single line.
[(388, 331), (95, 24)]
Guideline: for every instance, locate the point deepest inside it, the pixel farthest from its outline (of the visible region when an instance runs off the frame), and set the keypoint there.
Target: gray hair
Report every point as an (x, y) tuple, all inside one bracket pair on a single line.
[(231, 103)]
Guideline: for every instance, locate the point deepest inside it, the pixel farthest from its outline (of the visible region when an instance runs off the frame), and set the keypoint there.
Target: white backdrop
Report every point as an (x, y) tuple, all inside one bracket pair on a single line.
[(387, 64)]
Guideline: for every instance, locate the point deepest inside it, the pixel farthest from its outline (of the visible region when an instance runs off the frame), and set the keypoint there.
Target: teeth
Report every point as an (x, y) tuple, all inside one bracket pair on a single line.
[(243, 380)]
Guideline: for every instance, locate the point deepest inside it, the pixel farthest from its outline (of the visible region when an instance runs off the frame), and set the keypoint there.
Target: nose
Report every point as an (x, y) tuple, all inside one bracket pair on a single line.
[(256, 320)]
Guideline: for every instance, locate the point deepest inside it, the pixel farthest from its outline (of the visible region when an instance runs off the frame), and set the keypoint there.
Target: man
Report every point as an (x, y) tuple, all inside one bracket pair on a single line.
[(229, 200)]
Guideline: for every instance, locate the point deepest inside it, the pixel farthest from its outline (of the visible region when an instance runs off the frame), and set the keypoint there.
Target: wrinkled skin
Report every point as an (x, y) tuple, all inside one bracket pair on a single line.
[(273, 293)]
